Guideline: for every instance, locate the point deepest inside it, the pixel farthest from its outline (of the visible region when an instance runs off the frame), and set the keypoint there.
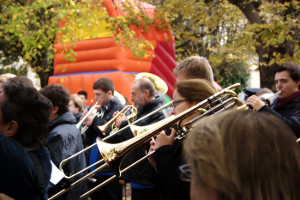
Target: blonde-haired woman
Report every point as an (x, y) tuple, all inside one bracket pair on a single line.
[(168, 154), (242, 155)]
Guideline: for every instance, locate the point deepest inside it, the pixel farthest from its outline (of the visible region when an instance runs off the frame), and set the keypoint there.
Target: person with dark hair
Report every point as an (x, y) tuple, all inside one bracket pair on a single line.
[(242, 155), (168, 153), (104, 91), (287, 106), (64, 139), (25, 118), (83, 95), (144, 99)]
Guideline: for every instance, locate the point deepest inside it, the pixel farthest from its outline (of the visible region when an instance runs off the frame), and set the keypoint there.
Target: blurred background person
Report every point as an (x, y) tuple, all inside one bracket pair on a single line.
[(24, 118), (76, 106), (242, 155), (83, 95)]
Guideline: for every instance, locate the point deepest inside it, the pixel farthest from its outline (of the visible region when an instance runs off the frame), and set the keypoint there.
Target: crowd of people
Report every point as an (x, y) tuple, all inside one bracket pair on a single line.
[(235, 154)]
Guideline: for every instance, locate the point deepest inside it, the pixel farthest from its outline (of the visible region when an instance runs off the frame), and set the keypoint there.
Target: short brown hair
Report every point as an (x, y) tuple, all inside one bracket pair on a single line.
[(104, 84), (195, 67)]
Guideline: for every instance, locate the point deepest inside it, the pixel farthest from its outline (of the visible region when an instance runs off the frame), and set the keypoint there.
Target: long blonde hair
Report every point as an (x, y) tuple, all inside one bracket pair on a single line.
[(245, 155)]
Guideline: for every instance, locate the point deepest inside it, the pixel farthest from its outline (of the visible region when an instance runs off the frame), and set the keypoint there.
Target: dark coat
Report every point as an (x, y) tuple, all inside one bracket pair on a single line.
[(63, 141), (168, 158), (17, 173), (93, 131), (288, 112), (141, 173)]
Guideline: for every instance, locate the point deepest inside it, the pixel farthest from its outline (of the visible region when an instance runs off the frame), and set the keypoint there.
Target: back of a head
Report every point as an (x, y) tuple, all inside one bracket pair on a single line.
[(245, 155), (195, 67), (24, 80), (30, 110), (195, 90), (58, 95), (104, 84)]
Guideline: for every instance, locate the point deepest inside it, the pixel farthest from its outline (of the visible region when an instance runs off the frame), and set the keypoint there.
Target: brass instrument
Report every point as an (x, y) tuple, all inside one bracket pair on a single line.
[(130, 118), (93, 110), (113, 154), (247, 107)]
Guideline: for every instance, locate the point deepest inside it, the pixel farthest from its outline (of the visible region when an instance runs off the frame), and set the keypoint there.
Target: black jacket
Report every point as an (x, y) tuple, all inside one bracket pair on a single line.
[(93, 131), (141, 173), (63, 141), (288, 112), (167, 180)]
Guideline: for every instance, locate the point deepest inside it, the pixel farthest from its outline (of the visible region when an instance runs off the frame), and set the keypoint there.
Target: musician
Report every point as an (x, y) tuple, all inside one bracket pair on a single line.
[(241, 155), (64, 139), (168, 155), (25, 167), (104, 94), (144, 99), (287, 106)]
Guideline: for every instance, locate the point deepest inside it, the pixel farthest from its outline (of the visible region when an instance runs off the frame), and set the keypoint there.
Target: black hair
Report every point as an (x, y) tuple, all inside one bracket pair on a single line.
[(31, 111)]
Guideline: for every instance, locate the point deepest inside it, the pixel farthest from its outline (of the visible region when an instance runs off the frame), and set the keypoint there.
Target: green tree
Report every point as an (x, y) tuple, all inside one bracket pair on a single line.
[(235, 31)]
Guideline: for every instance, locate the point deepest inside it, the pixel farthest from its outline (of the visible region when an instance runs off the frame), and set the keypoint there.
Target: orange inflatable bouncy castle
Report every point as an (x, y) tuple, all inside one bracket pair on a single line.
[(103, 57)]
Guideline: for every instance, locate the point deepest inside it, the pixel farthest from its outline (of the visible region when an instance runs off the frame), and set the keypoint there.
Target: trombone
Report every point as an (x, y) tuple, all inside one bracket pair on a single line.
[(99, 161), (113, 154)]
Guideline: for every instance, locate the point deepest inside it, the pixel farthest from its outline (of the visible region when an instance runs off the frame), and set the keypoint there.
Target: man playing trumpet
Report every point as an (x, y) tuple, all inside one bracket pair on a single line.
[(287, 105), (104, 94)]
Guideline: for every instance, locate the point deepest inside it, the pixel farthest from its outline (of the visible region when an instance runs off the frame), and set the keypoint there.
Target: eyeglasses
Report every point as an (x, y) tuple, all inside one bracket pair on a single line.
[(177, 102), (186, 172)]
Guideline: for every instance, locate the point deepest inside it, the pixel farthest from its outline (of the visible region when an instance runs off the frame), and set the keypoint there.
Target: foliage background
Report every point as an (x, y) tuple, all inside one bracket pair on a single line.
[(232, 34)]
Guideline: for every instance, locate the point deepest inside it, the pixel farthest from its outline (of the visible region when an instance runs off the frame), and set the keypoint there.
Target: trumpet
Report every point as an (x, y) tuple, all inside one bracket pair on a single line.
[(111, 122), (93, 110), (99, 162), (267, 100)]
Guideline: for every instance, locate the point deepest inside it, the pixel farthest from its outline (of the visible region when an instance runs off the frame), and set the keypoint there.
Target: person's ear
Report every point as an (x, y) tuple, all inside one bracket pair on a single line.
[(54, 109), (11, 129), (109, 92), (146, 93)]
